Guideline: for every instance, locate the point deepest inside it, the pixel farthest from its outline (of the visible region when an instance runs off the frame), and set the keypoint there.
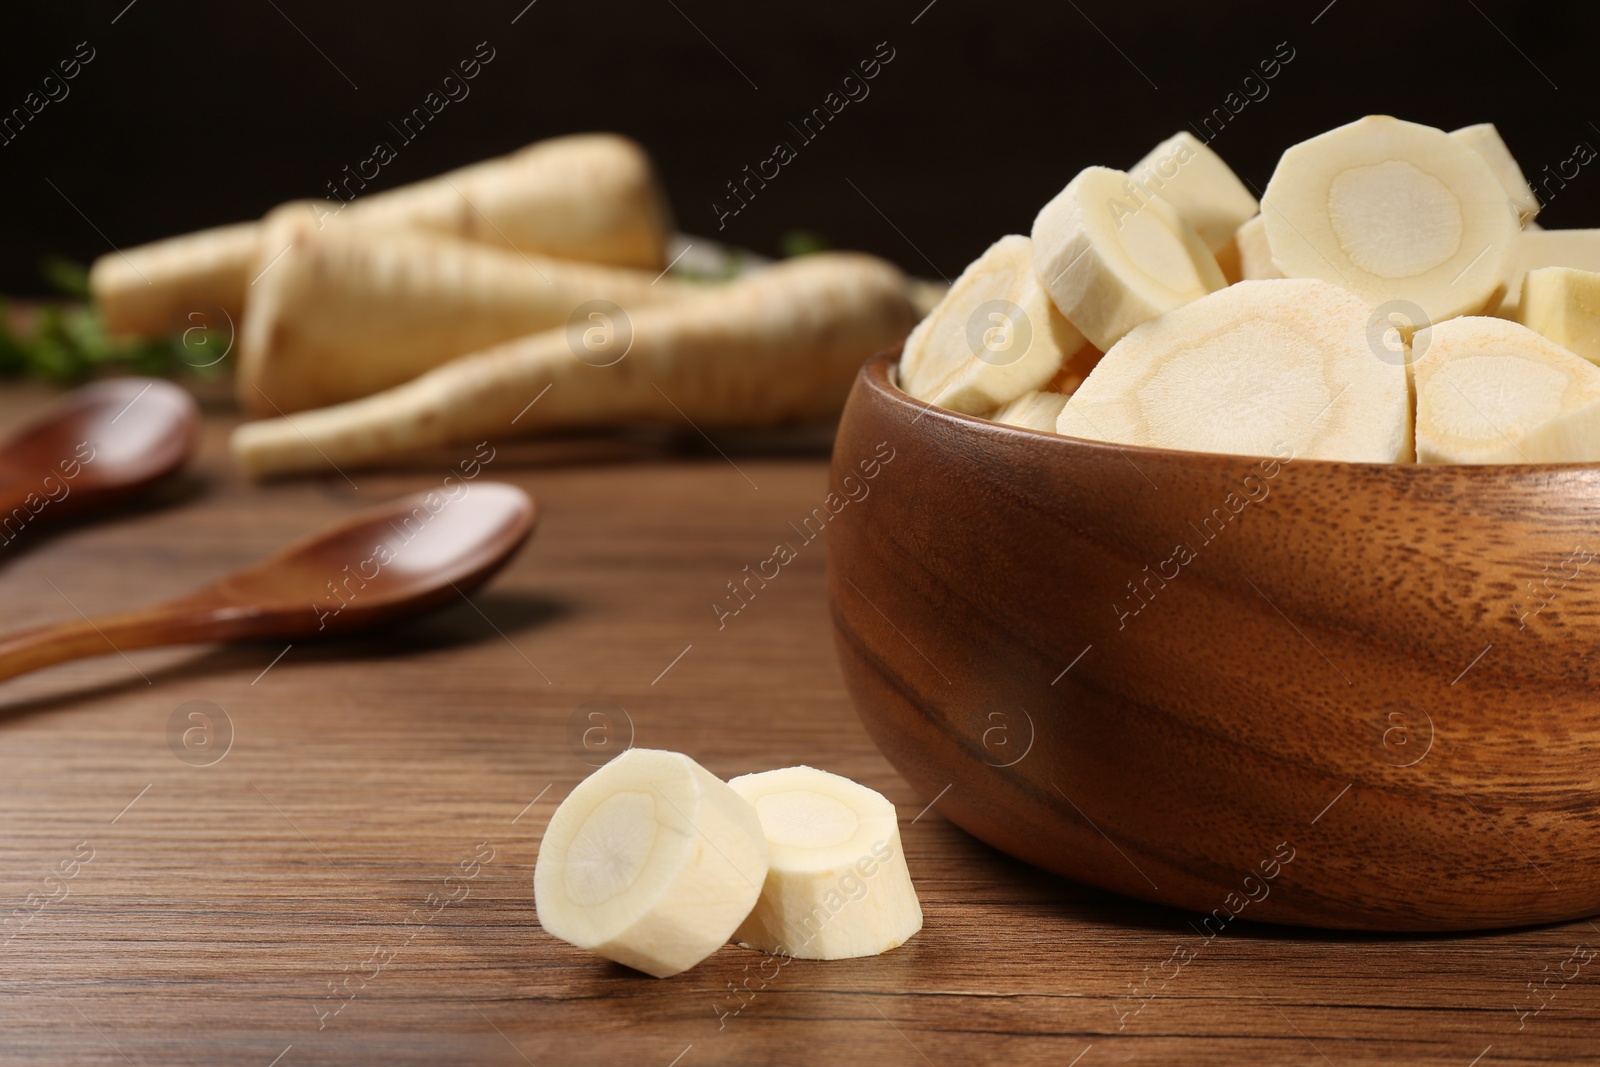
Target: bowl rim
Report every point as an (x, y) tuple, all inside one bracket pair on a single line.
[(875, 375)]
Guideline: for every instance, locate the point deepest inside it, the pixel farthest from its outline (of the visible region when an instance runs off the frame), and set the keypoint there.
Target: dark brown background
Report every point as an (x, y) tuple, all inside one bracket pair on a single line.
[(194, 113)]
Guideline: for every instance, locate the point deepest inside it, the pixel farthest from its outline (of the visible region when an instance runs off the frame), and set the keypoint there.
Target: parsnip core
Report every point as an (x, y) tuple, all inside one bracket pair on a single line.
[(1368, 206), (802, 818), (610, 849)]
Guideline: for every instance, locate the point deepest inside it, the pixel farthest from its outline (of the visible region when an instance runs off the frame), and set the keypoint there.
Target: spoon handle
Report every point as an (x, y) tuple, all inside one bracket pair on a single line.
[(45, 646)]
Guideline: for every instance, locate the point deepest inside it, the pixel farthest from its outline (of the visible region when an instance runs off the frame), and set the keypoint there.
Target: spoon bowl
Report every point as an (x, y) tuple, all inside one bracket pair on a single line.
[(97, 446), (378, 567)]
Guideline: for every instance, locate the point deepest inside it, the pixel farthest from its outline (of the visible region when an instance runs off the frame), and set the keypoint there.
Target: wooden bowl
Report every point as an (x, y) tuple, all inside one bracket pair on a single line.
[(1330, 694)]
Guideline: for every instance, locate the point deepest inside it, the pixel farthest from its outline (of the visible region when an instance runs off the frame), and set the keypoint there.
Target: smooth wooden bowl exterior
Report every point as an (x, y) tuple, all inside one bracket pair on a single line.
[(1330, 694)]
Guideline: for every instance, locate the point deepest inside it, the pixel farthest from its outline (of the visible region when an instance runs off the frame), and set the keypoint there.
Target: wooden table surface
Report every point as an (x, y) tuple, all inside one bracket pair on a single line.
[(271, 889)]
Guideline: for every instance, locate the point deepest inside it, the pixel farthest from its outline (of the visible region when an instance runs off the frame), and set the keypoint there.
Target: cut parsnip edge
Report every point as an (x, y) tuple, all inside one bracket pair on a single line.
[(1205, 192), (1393, 211), (995, 336), (1248, 370), (1562, 305), (837, 886), (1033, 411), (1255, 253), (781, 345), (1492, 391), (347, 311), (1485, 140), (1112, 257), (590, 197), (651, 861), (1535, 248)]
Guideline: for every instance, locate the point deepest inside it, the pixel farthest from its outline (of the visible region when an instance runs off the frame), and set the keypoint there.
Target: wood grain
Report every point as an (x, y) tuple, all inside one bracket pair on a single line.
[(220, 901), (1332, 703)]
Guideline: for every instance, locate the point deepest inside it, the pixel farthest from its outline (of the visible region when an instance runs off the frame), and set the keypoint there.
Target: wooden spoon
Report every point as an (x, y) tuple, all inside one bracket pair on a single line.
[(97, 446), (389, 563)]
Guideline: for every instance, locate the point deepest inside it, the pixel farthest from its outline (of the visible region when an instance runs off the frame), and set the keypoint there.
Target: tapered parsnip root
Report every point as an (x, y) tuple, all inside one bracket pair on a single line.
[(1392, 211), (346, 311), (781, 345), (1186, 173), (994, 336), (590, 197), (1248, 370), (837, 885), (1492, 391), (1112, 256), (651, 861), (153, 289), (1563, 305)]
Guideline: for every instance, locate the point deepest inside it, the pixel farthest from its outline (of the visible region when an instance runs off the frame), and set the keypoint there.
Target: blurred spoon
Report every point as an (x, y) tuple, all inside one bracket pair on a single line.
[(385, 564), (94, 447)]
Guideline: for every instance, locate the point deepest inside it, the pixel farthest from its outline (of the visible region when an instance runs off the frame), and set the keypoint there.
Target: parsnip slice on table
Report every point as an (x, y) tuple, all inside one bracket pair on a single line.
[(837, 885), (994, 336), (780, 345), (1392, 210), (652, 861), (592, 197), (1112, 257), (1563, 305), (1247, 370), (349, 310), (1185, 172), (1493, 391)]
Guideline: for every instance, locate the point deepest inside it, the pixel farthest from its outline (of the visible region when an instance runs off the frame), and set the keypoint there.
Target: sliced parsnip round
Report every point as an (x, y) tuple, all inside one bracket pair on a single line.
[(1492, 391), (1033, 411), (1255, 253), (1112, 257), (652, 861), (1393, 211), (1535, 248), (1206, 193), (838, 885), (1249, 369), (994, 336), (1485, 140), (1563, 305)]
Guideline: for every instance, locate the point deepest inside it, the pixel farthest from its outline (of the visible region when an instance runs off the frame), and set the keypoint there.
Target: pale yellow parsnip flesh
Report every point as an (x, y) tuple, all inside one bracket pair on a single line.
[(1113, 256), (1393, 220), (1249, 370), (1395, 212), (651, 861), (1185, 172), (1034, 411), (993, 337), (1563, 305), (1492, 391), (1485, 140), (837, 885)]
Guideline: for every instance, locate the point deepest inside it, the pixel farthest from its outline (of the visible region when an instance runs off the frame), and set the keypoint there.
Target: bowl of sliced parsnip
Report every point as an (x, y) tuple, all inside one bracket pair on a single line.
[(1283, 607)]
